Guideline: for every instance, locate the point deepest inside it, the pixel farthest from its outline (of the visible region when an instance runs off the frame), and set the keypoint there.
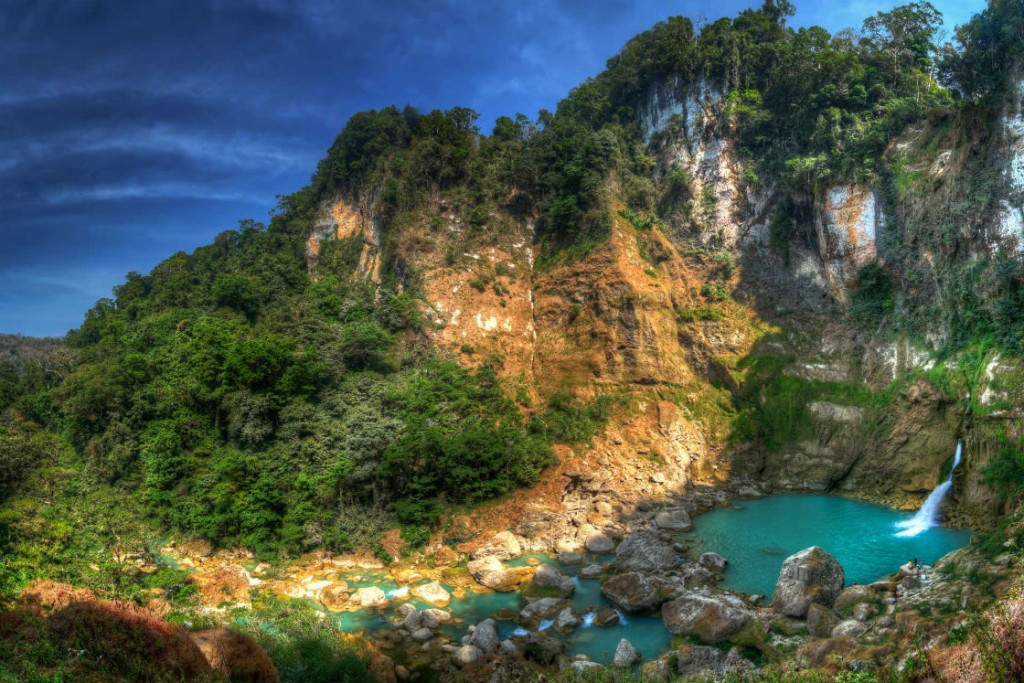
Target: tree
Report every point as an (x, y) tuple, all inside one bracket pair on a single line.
[(904, 36)]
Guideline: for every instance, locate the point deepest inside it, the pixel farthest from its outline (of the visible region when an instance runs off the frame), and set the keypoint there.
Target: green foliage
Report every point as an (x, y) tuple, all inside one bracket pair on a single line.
[(873, 298)]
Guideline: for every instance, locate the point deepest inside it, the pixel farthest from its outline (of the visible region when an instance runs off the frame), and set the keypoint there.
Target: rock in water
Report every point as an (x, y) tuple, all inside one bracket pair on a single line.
[(633, 592), (625, 655), (548, 577), (491, 573), (433, 593), (713, 561), (711, 617), (674, 520), (810, 576), (485, 636), (370, 597)]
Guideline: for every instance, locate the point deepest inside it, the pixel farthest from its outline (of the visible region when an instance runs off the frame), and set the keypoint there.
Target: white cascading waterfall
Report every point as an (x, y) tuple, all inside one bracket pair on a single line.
[(928, 516)]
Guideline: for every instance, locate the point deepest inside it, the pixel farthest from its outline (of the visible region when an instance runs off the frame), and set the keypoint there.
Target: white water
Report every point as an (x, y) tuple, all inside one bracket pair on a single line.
[(928, 516), (399, 593), (588, 619)]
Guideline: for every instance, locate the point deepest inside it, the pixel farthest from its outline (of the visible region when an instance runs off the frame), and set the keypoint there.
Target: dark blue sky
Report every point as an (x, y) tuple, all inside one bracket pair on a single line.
[(130, 130)]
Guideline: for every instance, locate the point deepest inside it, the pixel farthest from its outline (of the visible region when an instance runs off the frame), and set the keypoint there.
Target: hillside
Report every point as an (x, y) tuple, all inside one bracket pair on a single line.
[(742, 260)]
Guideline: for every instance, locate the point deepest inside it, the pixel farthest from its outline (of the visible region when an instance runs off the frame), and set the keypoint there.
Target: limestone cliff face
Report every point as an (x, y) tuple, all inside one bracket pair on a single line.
[(672, 317)]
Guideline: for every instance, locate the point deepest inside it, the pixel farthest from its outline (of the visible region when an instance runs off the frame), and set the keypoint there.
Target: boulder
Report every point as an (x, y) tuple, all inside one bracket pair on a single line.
[(625, 655), (591, 571), (633, 592), (422, 635), (335, 595), (491, 573), (236, 656), (541, 607), (413, 622), (713, 562), (433, 593), (229, 583), (582, 667), (854, 595), (864, 611), (370, 597), (606, 616), (467, 654), (485, 636), (673, 520), (570, 558), (810, 576), (599, 543), (821, 620), (434, 618), (849, 628), (645, 552), (503, 546), (548, 578), (543, 649), (566, 620), (711, 617)]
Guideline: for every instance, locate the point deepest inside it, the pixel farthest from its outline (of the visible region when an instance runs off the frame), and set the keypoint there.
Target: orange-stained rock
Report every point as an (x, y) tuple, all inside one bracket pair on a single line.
[(229, 583)]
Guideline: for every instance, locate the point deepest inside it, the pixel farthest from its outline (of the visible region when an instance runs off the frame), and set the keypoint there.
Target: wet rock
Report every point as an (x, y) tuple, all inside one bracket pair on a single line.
[(809, 576), (713, 562), (566, 620), (485, 636), (625, 655), (433, 593), (370, 597), (645, 552), (821, 620), (591, 571), (599, 543), (606, 616), (335, 595), (713, 618), (434, 618), (549, 578), (543, 649), (413, 621), (541, 607), (696, 575), (491, 573), (570, 558), (466, 654), (633, 592), (503, 546), (850, 627), (422, 635), (673, 520)]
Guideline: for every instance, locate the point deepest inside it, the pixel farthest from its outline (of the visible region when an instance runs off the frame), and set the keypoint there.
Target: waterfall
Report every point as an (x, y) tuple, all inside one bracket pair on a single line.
[(928, 515), (588, 619)]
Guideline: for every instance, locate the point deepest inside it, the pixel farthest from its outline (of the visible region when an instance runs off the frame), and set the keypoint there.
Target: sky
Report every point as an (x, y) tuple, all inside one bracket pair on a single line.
[(131, 130)]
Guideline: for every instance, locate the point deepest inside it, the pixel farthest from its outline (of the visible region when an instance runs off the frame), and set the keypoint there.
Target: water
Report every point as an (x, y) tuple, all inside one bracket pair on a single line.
[(928, 516), (757, 535)]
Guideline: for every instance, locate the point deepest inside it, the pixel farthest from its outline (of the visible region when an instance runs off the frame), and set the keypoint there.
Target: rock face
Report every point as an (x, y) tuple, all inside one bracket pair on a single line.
[(491, 573), (633, 592), (810, 576), (712, 618), (643, 552), (547, 577)]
